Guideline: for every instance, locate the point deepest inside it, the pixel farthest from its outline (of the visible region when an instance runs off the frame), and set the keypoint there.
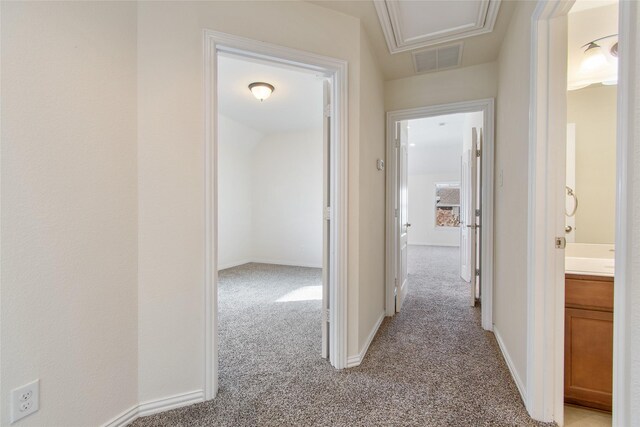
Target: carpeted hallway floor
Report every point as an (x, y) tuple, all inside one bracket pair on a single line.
[(431, 365)]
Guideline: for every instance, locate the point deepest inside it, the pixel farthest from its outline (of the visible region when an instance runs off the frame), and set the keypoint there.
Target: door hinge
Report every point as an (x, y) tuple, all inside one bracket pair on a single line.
[(478, 153), (477, 212), (561, 242), (327, 213), (396, 213), (326, 315), (327, 110), (478, 272)]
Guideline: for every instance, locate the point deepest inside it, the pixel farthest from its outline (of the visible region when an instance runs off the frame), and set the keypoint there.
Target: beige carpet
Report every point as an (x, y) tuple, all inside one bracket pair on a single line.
[(431, 365)]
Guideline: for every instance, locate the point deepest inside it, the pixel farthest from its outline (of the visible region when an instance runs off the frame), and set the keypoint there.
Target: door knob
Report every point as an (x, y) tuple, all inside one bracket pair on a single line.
[(474, 226), (568, 229), (407, 225)]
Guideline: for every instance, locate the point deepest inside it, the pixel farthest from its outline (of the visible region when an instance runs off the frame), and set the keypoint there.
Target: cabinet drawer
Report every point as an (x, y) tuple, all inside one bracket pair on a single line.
[(589, 292)]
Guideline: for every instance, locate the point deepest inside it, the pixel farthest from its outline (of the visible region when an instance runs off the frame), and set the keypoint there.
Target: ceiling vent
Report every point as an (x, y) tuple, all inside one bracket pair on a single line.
[(438, 58)]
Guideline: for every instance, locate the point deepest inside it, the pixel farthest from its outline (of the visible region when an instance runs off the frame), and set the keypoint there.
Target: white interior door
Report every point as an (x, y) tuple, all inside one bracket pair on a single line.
[(402, 144), (468, 225), (326, 197)]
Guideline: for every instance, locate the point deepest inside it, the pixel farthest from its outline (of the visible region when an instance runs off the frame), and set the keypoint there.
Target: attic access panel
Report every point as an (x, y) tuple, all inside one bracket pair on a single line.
[(409, 25)]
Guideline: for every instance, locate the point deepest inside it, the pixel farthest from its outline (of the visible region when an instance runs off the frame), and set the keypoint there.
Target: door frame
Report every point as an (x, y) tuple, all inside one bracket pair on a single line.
[(545, 265), (486, 106), (336, 71)]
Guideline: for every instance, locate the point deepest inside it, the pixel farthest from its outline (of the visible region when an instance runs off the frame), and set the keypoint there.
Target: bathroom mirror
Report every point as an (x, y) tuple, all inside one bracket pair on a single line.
[(591, 164)]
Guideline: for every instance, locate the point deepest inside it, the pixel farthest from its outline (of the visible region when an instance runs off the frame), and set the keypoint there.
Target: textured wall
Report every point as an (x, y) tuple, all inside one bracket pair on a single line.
[(69, 210)]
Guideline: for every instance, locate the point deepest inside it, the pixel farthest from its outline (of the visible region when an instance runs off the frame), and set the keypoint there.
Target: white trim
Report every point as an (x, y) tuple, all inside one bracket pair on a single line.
[(267, 261), (234, 264), (545, 280), (151, 407), (512, 368), (627, 105), (547, 165), (431, 244), (388, 15), (124, 419), (486, 260), (285, 263), (335, 70), (356, 360)]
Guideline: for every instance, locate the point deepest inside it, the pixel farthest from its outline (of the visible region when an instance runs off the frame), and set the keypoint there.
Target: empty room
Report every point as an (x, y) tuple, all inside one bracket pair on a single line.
[(270, 225)]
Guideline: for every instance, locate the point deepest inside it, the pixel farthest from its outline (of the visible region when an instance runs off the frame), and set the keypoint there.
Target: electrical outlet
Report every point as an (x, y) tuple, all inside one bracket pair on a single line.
[(25, 400)]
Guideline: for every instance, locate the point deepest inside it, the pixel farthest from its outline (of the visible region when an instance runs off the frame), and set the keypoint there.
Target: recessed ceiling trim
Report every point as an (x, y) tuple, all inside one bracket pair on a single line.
[(397, 41)]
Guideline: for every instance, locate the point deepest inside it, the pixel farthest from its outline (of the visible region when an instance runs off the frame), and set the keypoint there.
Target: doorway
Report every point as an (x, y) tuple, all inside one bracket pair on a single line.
[(332, 210), (451, 208), (272, 244), (549, 285)]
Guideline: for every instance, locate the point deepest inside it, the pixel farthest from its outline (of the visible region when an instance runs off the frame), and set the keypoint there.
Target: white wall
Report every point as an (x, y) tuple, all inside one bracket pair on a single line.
[(422, 217), (287, 178), (69, 209), (171, 169), (429, 164), (511, 197), (371, 199), (270, 196), (236, 145), (444, 87)]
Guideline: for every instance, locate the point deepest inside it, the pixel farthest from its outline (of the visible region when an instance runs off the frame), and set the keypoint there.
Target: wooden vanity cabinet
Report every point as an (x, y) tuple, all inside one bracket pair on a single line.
[(588, 359)]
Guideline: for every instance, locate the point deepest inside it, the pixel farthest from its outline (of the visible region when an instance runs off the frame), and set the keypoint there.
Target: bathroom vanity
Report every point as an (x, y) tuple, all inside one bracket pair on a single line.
[(589, 332)]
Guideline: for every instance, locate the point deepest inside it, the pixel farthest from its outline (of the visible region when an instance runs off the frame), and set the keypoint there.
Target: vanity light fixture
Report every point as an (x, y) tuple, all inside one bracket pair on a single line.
[(599, 64), (261, 90)]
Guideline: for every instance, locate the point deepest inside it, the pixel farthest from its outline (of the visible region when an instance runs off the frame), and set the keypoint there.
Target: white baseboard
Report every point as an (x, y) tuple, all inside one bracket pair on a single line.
[(155, 406), (267, 261), (233, 264), (356, 360), (172, 402), (288, 263), (512, 368), (124, 419), (433, 244)]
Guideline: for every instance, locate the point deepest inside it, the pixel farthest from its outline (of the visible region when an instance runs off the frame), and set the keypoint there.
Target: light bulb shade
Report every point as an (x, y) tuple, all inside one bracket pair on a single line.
[(593, 60), (261, 90), (599, 64)]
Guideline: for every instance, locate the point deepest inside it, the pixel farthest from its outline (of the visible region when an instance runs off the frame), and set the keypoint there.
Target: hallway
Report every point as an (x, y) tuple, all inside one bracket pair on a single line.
[(431, 365)]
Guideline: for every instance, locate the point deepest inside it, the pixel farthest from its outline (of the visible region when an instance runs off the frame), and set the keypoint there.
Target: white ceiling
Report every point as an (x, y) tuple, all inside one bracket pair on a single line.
[(581, 5), (477, 50), (294, 105), (589, 20), (439, 130), (436, 148), (409, 25)]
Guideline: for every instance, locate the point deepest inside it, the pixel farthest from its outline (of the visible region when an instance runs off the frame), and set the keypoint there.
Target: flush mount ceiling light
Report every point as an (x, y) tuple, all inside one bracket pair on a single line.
[(261, 90), (599, 63)]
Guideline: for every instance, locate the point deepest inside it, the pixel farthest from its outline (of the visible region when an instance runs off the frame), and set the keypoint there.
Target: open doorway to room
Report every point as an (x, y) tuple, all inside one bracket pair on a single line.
[(270, 217), (440, 218), (590, 213), (442, 201)]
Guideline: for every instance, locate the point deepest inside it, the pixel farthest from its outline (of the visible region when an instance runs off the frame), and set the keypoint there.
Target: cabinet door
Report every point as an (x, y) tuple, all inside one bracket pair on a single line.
[(588, 358)]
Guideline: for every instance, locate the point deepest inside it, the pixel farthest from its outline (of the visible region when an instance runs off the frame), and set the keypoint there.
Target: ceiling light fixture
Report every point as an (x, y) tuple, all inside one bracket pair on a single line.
[(261, 90), (599, 64)]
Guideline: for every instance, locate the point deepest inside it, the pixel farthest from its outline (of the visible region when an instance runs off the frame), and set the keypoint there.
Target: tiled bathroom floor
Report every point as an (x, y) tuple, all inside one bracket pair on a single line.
[(581, 417)]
